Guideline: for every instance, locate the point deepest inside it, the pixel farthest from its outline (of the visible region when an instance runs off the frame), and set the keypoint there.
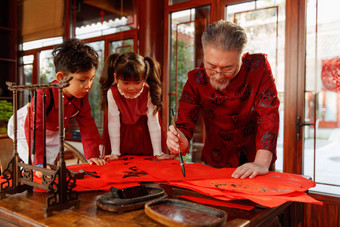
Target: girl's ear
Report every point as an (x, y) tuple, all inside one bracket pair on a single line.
[(115, 76), (59, 76)]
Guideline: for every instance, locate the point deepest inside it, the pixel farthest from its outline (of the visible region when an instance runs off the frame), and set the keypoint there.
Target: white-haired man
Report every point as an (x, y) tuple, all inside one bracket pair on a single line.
[(237, 97)]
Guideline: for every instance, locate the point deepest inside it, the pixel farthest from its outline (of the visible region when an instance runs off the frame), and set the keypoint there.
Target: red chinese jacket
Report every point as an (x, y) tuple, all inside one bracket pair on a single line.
[(240, 119), (75, 108)]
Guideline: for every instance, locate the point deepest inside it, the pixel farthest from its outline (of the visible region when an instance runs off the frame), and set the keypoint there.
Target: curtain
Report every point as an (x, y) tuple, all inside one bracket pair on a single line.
[(42, 19)]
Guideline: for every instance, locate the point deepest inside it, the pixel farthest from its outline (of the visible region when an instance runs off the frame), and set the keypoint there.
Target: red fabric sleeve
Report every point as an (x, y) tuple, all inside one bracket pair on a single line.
[(266, 105)]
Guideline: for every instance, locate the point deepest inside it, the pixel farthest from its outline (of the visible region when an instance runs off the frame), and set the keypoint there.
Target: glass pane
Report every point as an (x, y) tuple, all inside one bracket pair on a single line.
[(42, 43), (186, 54), (94, 95), (173, 2), (28, 72), (28, 67), (95, 18), (122, 46), (47, 71), (265, 20), (72, 131), (322, 147)]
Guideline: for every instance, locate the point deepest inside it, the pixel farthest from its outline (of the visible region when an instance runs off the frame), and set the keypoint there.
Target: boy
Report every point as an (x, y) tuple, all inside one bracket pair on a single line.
[(71, 58)]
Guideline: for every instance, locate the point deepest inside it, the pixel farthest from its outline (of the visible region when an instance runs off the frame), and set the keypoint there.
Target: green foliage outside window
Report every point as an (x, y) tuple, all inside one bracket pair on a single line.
[(185, 63), (6, 110)]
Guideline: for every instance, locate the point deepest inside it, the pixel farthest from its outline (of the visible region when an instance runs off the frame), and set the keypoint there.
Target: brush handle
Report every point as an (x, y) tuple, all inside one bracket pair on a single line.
[(180, 154)]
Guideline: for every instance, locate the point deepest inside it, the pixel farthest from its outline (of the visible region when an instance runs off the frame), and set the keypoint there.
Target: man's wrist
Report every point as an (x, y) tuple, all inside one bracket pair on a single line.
[(188, 149), (263, 157)]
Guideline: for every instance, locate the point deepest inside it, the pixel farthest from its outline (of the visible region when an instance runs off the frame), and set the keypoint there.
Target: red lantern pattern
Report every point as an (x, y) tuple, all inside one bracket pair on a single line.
[(330, 74)]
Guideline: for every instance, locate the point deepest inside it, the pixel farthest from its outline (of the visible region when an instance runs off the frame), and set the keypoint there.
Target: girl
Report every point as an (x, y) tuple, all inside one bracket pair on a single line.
[(131, 105)]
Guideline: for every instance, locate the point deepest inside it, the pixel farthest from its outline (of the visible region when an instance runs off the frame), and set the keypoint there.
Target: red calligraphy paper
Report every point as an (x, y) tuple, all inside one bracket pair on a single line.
[(265, 200), (130, 169), (273, 183), (216, 202), (272, 189)]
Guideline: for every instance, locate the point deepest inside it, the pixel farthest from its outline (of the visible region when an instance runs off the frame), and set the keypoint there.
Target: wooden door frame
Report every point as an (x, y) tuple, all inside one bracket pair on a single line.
[(166, 48), (294, 99)]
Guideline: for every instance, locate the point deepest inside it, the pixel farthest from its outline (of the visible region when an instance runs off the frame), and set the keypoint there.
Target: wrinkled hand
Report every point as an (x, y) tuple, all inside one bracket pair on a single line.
[(164, 156), (111, 157), (176, 141), (98, 161), (250, 169)]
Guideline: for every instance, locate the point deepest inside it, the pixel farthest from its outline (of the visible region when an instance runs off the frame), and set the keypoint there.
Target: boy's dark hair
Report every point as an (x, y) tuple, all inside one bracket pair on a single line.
[(74, 56), (132, 67)]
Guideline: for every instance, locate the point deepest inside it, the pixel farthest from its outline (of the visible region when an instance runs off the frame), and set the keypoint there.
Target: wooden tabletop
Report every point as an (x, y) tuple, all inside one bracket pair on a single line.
[(27, 209)]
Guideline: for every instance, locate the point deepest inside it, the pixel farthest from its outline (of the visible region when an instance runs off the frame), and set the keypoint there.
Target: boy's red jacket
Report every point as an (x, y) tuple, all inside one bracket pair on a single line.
[(73, 108)]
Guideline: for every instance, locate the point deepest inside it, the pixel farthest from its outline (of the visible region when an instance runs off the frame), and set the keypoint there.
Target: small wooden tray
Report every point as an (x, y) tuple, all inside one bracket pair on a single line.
[(173, 212)]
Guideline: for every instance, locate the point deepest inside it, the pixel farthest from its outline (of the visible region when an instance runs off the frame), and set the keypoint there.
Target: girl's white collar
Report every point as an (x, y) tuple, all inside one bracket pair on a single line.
[(138, 94)]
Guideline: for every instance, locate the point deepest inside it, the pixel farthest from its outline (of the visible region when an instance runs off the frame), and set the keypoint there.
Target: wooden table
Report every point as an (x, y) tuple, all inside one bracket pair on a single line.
[(27, 209)]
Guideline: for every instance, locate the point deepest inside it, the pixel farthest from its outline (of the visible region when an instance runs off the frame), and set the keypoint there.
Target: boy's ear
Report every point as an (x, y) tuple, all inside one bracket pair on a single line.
[(59, 76), (115, 76)]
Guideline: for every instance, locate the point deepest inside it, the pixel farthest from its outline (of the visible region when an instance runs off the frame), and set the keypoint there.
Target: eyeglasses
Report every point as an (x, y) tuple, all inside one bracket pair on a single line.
[(213, 72)]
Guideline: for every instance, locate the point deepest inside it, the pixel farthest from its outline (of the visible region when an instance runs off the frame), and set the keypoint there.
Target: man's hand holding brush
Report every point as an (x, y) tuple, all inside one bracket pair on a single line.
[(180, 141), (176, 141)]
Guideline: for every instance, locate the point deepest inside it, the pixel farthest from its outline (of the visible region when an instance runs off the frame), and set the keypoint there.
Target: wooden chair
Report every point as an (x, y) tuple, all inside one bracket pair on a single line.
[(74, 151), (6, 151)]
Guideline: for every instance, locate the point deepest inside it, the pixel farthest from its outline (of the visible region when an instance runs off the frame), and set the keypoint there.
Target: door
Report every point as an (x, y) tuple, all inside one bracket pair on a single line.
[(321, 150), (185, 54), (321, 141), (264, 23)]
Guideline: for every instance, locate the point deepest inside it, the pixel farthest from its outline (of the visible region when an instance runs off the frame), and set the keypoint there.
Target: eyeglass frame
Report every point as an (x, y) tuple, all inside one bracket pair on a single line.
[(221, 73)]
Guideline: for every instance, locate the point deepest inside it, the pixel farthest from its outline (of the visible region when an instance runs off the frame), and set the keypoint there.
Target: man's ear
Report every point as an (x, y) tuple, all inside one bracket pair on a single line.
[(59, 76)]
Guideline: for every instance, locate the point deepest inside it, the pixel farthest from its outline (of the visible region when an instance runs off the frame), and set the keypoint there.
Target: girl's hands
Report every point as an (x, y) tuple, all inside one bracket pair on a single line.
[(111, 157), (164, 156), (98, 161)]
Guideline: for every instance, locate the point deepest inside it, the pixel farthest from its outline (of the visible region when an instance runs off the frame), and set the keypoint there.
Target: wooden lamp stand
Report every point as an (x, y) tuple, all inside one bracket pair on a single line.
[(59, 181)]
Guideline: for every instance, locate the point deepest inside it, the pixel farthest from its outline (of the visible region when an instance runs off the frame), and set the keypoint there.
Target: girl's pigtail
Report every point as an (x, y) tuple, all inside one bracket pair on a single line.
[(107, 79), (153, 73)]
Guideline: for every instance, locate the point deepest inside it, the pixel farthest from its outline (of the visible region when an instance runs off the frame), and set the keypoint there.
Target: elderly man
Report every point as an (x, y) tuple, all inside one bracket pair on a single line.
[(238, 100)]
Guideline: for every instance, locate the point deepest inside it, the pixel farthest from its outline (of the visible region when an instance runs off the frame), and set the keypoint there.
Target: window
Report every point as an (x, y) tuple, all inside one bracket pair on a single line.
[(27, 68), (103, 25), (122, 46), (264, 23), (46, 67), (186, 53), (322, 146), (96, 18)]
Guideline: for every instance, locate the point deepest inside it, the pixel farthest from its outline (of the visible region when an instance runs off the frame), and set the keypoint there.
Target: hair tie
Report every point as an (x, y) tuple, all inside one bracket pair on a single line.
[(147, 66), (116, 60)]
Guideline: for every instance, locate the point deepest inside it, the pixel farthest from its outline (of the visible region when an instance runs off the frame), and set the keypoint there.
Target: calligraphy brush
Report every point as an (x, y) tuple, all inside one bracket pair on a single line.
[(180, 154)]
